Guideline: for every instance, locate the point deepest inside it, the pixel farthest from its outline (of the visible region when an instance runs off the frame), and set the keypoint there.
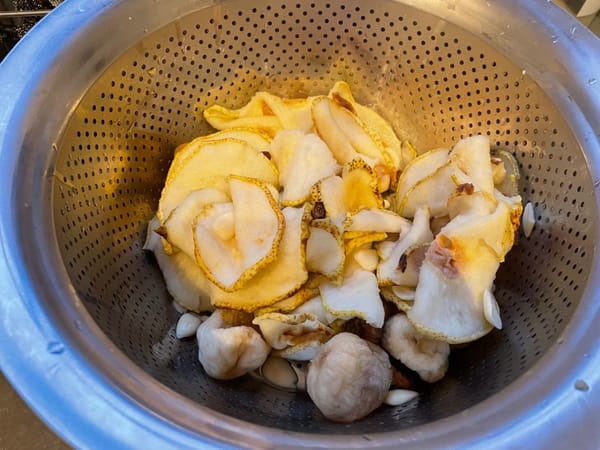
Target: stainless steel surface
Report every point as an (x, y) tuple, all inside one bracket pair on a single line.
[(84, 162)]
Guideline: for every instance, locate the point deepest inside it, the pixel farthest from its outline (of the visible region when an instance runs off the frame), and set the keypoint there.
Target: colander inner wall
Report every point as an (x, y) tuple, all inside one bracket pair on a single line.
[(433, 81)]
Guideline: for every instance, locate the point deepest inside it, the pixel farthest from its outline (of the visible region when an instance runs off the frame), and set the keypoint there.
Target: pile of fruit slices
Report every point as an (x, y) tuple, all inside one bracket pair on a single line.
[(301, 215)]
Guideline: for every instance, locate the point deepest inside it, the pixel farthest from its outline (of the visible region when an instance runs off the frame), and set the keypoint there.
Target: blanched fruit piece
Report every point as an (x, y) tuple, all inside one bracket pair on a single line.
[(420, 167), (356, 189), (208, 165), (401, 296), (302, 160), (343, 135), (325, 250), (508, 183), (252, 115), (290, 303), (375, 125), (178, 228), (472, 156), (427, 357), (233, 241), (315, 306), (358, 296), (286, 330), (279, 279), (184, 280), (366, 258), (448, 303), (495, 229), (464, 201), (255, 138), (393, 265), (433, 191), (376, 220)]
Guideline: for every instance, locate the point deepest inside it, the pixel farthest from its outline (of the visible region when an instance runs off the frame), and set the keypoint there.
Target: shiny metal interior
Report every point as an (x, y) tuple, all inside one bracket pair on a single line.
[(433, 79)]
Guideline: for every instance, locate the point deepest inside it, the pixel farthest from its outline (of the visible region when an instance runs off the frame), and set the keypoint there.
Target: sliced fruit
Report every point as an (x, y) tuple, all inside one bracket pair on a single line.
[(495, 229), (355, 190), (302, 160), (233, 241), (420, 167), (366, 258), (184, 280), (285, 330), (178, 228), (433, 191), (293, 114), (208, 166), (400, 296), (291, 303), (465, 201), (504, 162), (325, 250), (374, 124), (472, 156), (277, 280), (392, 269), (256, 138), (361, 239), (357, 296), (315, 306), (448, 303), (334, 136), (376, 220), (302, 351), (255, 114)]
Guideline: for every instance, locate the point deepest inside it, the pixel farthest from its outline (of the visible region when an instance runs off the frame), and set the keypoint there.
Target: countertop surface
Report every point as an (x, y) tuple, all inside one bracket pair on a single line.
[(20, 428)]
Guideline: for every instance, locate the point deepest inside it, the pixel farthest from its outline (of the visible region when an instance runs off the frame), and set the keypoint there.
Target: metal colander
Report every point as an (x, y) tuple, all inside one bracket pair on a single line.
[(128, 84)]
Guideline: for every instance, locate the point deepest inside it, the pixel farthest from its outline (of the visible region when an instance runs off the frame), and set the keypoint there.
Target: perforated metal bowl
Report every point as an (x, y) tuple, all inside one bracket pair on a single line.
[(96, 98)]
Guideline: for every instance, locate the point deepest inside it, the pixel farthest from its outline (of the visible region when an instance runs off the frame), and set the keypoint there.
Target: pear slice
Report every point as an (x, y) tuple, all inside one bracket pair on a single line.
[(315, 306), (472, 156), (433, 191), (285, 330), (325, 250), (374, 124), (208, 165), (376, 220), (401, 296), (495, 229), (184, 280), (503, 161), (355, 190), (178, 228), (465, 201), (420, 167), (231, 255), (293, 114), (358, 296), (255, 138), (289, 304), (361, 239), (277, 280), (305, 350), (448, 303), (255, 114), (302, 160), (392, 268), (339, 140)]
